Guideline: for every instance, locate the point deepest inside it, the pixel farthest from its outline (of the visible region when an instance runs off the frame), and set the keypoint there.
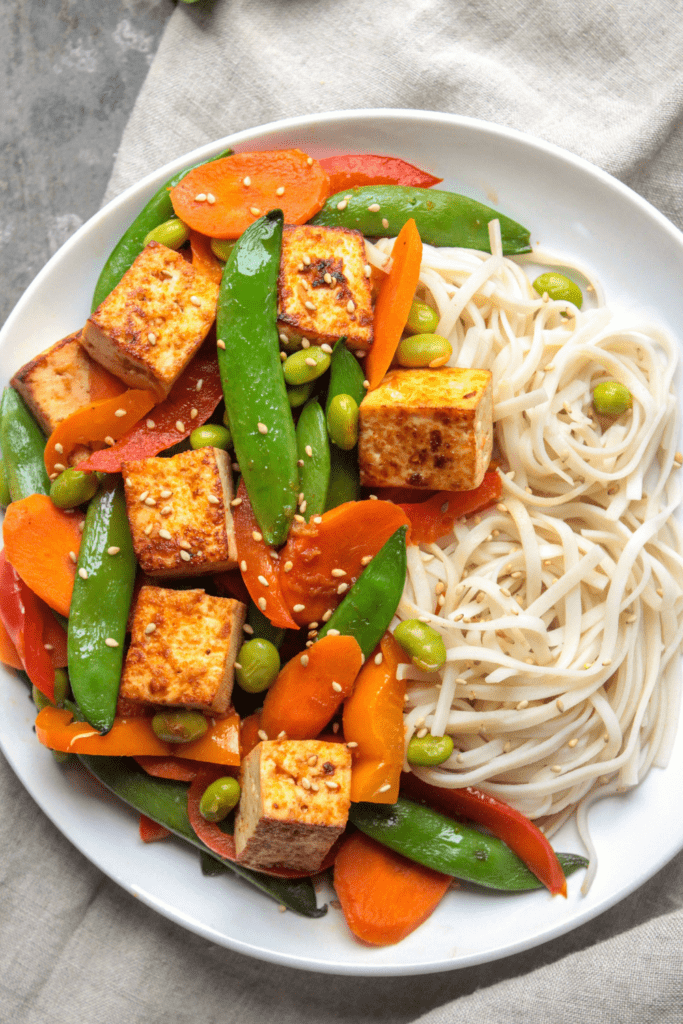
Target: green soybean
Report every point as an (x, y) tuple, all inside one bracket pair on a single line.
[(612, 398), (257, 666), (211, 435), (172, 233), (299, 395), (422, 319), (428, 751), (342, 421), (221, 248), (306, 365), (179, 726), (424, 645), (557, 286), (424, 350), (219, 799), (73, 487)]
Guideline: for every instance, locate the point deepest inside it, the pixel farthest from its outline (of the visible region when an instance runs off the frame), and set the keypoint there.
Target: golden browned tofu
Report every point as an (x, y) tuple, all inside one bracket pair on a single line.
[(427, 429), (183, 648), (62, 380), (295, 803), (154, 321), (179, 513), (324, 288)]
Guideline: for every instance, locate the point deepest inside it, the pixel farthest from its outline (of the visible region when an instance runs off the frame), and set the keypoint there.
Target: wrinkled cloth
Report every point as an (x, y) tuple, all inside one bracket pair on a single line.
[(603, 80)]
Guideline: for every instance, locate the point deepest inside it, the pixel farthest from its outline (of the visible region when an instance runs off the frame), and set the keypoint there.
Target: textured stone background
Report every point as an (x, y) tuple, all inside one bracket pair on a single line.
[(70, 71)]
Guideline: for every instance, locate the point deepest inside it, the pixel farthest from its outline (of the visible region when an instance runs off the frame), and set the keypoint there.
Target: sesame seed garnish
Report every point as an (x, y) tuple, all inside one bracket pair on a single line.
[(212, 499), (310, 361), (421, 733), (304, 660), (119, 412), (144, 495), (210, 198), (366, 559), (522, 705), (330, 784), (113, 550), (572, 742), (350, 306), (343, 204), (367, 269), (184, 545), (193, 414), (185, 555), (165, 493), (309, 161), (152, 339), (246, 181), (501, 507), (59, 448), (305, 343), (220, 343), (254, 210), (299, 519), (373, 208), (150, 424), (148, 529), (280, 190), (631, 618), (164, 534), (180, 426), (166, 510), (336, 687), (557, 768), (262, 734), (235, 502), (606, 662), (366, 384), (151, 502), (307, 260), (83, 574), (384, 788), (299, 608), (248, 629), (60, 467), (309, 451), (385, 223), (48, 647), (200, 197), (560, 705), (326, 616), (378, 658), (72, 556), (262, 603), (110, 642), (199, 385), (195, 300), (333, 632), (309, 305), (262, 428), (53, 476), (263, 581), (305, 783)]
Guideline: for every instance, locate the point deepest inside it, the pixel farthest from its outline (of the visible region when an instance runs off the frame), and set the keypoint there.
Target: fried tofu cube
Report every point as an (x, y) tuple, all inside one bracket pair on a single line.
[(154, 321), (430, 429), (324, 290), (294, 805), (179, 513), (62, 380), (183, 649)]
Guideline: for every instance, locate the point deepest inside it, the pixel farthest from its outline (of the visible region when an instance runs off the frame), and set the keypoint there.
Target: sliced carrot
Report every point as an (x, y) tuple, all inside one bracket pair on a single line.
[(96, 422), (384, 896), (394, 301), (151, 831), (204, 259), (304, 697), (245, 186), (434, 518), (38, 540), (345, 538), (168, 767), (8, 652), (373, 719)]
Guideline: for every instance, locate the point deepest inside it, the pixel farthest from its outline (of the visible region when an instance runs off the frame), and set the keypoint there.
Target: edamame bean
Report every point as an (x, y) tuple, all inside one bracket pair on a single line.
[(342, 422), (611, 398), (422, 319), (5, 496), (427, 751), (219, 798), (221, 248), (179, 726), (424, 645), (62, 691), (172, 233), (73, 487), (211, 435), (557, 286), (259, 664), (424, 350), (306, 365), (299, 395)]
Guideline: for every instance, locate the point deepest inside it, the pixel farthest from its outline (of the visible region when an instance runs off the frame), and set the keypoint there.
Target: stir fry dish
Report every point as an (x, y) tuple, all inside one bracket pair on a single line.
[(340, 539)]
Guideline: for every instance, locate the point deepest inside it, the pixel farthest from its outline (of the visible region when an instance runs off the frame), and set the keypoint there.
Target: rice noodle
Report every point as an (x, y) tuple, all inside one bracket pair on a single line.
[(562, 608)]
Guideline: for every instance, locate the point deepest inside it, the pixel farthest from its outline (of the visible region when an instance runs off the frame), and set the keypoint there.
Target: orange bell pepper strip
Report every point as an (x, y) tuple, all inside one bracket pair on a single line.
[(434, 518), (131, 737), (96, 422), (395, 298), (373, 719), (204, 260), (256, 560), (503, 821), (345, 538), (169, 767), (151, 831), (249, 733)]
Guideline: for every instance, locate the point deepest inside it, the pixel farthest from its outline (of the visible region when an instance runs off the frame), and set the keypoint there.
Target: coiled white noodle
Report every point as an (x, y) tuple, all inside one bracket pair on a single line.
[(561, 609)]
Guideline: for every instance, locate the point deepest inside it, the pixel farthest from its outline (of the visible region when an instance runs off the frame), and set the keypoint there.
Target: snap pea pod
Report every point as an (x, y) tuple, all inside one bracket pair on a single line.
[(438, 842), (442, 218), (158, 210), (344, 478), (369, 606), (346, 375), (314, 458), (100, 603), (260, 416), (263, 628), (23, 444), (166, 803), (346, 378)]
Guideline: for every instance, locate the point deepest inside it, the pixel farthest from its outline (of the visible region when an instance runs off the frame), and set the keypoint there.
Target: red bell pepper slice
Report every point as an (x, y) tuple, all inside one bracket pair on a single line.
[(151, 831), (161, 767), (257, 560), (350, 170), (198, 388), (434, 518), (520, 834), (25, 617)]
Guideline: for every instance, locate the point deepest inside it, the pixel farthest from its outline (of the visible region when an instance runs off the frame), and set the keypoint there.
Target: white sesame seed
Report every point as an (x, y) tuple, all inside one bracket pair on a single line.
[(166, 510), (366, 559), (351, 744), (336, 687), (248, 629), (180, 426), (307, 260), (200, 197), (338, 572), (254, 210), (304, 660), (83, 574), (299, 608), (367, 269), (60, 467), (53, 476), (210, 198), (333, 632), (305, 343), (317, 520), (235, 502), (59, 448), (165, 493), (303, 505), (350, 306), (246, 181), (366, 384), (522, 705), (305, 783), (151, 502), (262, 734), (110, 642), (152, 339), (330, 784), (280, 191), (385, 223), (195, 300), (193, 414), (185, 555), (220, 343), (421, 733), (263, 581), (262, 428), (48, 647), (262, 603), (557, 768), (113, 550), (343, 204), (184, 545), (373, 208), (148, 529), (327, 349), (150, 424), (309, 451), (384, 788), (212, 499), (310, 305), (144, 495), (309, 161), (119, 412), (72, 556), (378, 658), (164, 534), (299, 519)]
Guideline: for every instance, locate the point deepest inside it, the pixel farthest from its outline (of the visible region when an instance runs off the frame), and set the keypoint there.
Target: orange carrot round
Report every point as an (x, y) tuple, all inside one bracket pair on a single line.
[(384, 896), (394, 301), (245, 186), (39, 539)]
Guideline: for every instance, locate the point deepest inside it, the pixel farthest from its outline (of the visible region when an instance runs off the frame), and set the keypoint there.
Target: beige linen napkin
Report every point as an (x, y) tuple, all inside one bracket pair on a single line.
[(602, 79)]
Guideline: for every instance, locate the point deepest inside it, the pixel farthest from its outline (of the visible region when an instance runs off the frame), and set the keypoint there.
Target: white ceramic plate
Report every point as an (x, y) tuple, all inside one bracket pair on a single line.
[(570, 207)]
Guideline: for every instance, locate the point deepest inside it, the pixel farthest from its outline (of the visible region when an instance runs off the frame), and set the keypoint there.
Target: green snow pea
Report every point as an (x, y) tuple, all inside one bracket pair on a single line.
[(314, 458), (23, 444), (438, 842), (166, 803), (346, 375), (442, 218), (346, 378), (369, 606), (256, 401), (344, 478), (157, 211), (102, 593)]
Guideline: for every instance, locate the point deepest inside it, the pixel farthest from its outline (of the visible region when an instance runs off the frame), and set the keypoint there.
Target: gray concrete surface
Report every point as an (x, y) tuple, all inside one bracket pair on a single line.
[(70, 71)]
